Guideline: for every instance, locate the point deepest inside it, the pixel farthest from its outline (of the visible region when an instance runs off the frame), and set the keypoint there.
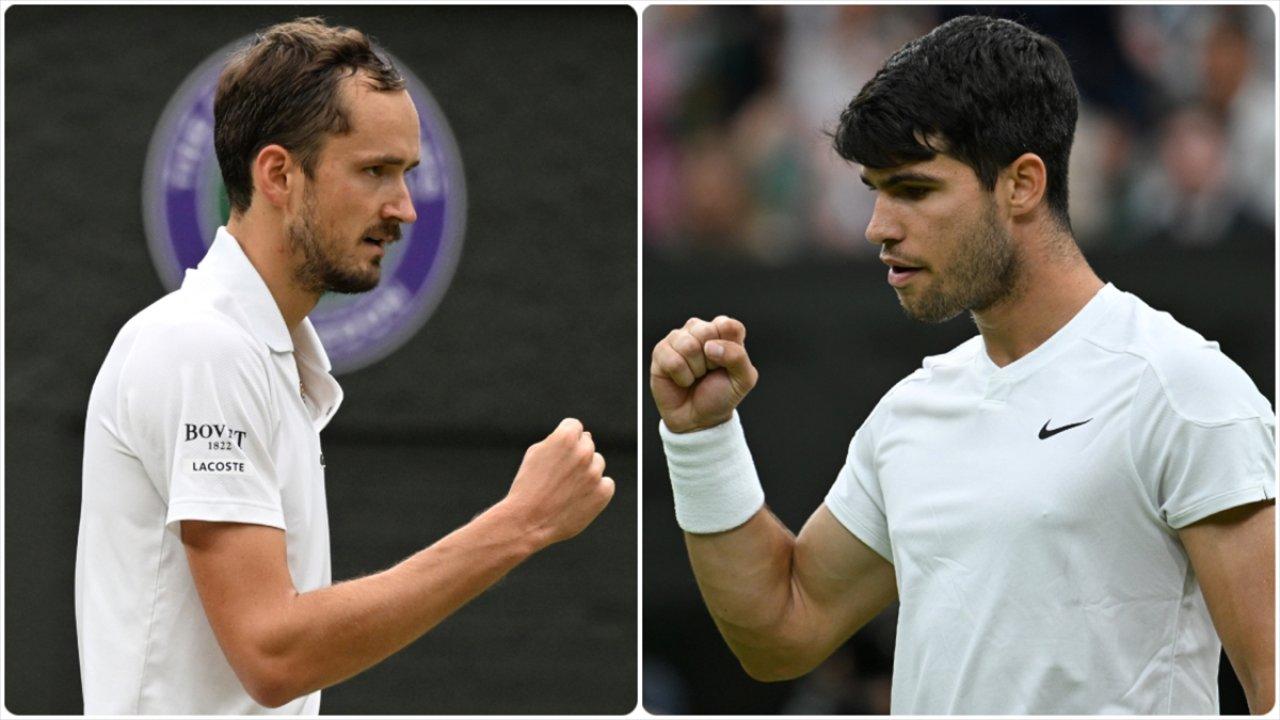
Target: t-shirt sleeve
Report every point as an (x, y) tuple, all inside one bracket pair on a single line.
[(855, 498), (197, 403), (1203, 437)]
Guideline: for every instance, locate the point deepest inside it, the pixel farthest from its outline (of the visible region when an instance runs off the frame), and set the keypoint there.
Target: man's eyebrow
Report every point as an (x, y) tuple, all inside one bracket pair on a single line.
[(899, 179), (391, 160)]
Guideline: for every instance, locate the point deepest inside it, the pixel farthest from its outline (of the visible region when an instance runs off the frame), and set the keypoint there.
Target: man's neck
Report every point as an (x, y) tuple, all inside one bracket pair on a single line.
[(1050, 290), (268, 251)]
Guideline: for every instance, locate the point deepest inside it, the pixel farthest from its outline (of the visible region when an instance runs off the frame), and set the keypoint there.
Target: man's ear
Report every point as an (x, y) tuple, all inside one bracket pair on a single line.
[(273, 175), (1023, 184)]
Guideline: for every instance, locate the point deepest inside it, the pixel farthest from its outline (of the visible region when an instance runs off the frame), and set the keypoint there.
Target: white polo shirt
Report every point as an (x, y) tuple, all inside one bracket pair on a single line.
[(1031, 515), (196, 414)]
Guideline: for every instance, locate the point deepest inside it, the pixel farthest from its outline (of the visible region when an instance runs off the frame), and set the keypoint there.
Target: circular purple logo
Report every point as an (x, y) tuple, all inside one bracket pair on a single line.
[(184, 202)]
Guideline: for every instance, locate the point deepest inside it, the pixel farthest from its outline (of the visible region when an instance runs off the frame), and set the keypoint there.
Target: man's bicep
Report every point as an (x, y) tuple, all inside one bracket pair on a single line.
[(1233, 554), (241, 572), (842, 580)]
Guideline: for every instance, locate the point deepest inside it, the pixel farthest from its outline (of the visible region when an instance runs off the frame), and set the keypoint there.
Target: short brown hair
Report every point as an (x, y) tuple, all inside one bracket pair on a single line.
[(283, 89)]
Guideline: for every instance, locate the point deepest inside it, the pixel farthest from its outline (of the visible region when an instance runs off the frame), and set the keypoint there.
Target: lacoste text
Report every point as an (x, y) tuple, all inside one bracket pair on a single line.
[(217, 466)]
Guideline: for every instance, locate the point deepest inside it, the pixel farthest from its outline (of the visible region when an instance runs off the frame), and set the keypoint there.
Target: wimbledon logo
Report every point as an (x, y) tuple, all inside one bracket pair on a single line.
[(184, 202)]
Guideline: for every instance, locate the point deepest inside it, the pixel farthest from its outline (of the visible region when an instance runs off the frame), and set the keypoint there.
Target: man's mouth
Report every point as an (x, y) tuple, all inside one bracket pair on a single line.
[(383, 236), (380, 241), (900, 273)]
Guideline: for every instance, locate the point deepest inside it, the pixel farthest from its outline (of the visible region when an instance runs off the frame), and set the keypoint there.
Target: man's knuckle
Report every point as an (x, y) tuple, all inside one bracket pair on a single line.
[(680, 371), (604, 490), (706, 331), (686, 343)]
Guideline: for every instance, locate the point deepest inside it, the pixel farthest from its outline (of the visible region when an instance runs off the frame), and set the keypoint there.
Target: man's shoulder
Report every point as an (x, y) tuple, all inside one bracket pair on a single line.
[(942, 367), (935, 369), (177, 348), (186, 325), (958, 356), (1192, 374)]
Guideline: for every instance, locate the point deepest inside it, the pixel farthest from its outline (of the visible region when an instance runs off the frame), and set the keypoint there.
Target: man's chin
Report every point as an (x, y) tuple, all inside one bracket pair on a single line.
[(354, 284), (927, 310)]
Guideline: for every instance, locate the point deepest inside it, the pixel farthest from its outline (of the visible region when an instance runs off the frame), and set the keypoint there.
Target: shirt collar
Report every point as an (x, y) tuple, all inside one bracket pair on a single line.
[(1084, 321), (313, 372), (226, 265)]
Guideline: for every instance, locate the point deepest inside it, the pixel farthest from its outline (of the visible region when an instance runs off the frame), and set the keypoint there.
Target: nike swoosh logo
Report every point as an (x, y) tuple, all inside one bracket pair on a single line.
[(1046, 433)]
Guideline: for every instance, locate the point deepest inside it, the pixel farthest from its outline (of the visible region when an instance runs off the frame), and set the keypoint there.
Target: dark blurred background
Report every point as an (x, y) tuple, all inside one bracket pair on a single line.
[(538, 324), (748, 212)]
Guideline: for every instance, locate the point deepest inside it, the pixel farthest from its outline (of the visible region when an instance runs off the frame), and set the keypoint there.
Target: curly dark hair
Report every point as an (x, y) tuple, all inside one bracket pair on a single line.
[(283, 89), (980, 89)]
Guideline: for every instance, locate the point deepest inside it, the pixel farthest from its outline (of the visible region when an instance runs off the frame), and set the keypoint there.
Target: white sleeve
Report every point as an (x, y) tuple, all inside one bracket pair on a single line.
[(1202, 437), (855, 498), (198, 407)]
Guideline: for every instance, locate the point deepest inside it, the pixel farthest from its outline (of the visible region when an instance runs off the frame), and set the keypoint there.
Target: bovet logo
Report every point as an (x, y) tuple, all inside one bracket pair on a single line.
[(213, 432), (184, 202)]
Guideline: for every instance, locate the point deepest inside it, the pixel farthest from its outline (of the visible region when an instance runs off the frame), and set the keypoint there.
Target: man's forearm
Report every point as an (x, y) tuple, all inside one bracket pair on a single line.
[(741, 554), (282, 644), (322, 637), (745, 576)]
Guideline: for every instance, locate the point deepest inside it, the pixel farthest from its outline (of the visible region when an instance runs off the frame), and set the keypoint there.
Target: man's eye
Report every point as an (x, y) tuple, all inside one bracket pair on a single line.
[(913, 193), (375, 171)]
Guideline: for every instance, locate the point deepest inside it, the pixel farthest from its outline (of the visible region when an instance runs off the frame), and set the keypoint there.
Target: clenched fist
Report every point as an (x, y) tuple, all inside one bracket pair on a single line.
[(700, 373), (560, 487)]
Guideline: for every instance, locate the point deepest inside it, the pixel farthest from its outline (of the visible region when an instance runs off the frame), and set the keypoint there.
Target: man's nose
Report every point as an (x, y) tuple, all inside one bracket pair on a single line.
[(402, 208), (883, 227)]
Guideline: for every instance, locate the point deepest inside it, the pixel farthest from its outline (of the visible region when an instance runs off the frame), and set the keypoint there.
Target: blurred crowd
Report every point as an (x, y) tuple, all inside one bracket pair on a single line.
[(1175, 143)]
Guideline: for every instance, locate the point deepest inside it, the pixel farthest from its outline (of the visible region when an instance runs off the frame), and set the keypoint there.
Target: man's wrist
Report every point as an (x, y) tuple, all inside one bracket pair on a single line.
[(713, 477), (523, 536), (685, 429)]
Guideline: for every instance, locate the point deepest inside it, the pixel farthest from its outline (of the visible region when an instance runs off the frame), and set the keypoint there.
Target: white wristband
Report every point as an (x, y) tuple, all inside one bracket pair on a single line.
[(712, 477)]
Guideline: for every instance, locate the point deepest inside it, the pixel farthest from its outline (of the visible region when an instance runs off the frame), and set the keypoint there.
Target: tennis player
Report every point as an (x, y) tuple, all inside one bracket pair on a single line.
[(1075, 508), (202, 571)]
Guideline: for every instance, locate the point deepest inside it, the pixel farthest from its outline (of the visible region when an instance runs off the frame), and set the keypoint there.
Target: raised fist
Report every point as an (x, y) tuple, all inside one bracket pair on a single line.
[(700, 373), (560, 487)]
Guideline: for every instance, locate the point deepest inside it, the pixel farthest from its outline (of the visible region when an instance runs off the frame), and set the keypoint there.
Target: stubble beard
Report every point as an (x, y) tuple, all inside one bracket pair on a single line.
[(985, 272), (321, 266)]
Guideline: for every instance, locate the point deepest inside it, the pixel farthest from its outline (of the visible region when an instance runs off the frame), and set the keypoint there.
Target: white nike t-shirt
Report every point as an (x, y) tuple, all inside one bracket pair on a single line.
[(198, 413), (1031, 515)]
